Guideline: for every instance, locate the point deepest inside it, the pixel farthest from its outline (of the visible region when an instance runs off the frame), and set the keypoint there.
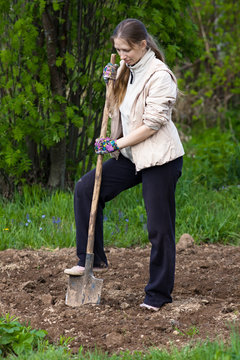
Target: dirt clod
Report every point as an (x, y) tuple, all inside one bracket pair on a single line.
[(206, 297), (186, 241)]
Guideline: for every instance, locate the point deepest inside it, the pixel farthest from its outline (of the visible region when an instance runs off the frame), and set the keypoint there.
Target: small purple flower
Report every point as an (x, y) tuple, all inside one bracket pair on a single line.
[(120, 214), (56, 221)]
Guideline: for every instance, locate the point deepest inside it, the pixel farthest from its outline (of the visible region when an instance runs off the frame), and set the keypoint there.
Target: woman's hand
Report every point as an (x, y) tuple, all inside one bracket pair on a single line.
[(110, 72), (105, 146), (108, 145)]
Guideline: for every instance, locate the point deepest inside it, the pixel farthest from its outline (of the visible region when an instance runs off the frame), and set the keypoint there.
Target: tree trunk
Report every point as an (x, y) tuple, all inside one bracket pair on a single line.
[(53, 30), (58, 165)]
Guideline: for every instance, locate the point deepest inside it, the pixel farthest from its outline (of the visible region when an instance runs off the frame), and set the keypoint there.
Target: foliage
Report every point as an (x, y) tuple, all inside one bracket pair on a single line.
[(52, 95), (16, 338), (211, 82), (171, 25), (208, 215), (207, 203), (51, 59), (37, 218), (207, 350), (215, 158)]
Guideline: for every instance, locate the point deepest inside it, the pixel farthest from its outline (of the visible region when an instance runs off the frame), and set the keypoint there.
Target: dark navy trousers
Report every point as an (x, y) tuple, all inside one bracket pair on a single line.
[(158, 188)]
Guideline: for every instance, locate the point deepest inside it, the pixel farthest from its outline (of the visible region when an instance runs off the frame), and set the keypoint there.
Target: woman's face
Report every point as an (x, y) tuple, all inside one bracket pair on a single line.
[(131, 55)]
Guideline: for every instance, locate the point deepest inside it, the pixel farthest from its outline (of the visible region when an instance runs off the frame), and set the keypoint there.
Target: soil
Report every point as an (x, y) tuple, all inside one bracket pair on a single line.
[(206, 298)]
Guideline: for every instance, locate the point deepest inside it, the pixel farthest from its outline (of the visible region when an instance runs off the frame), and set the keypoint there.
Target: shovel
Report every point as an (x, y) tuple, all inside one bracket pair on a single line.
[(86, 289)]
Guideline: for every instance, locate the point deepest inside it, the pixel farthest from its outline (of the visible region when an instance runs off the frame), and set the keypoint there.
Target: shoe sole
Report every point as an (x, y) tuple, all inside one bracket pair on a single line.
[(73, 274), (149, 307), (99, 270)]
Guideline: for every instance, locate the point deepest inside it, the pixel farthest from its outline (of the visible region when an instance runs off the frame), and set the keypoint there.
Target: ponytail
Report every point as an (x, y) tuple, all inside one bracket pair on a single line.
[(154, 47), (120, 86)]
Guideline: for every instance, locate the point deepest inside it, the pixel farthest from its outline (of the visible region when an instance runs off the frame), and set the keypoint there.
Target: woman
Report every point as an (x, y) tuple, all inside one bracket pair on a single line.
[(146, 149)]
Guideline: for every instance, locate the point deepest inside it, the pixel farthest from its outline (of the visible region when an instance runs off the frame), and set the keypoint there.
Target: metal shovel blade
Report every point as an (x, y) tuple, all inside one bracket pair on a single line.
[(84, 289)]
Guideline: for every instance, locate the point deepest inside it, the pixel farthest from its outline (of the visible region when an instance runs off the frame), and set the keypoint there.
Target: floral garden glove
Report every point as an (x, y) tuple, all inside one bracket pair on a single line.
[(105, 146), (110, 72)]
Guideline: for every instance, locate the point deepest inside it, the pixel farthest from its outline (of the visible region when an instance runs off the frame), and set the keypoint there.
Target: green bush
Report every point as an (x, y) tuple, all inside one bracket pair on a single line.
[(213, 159)]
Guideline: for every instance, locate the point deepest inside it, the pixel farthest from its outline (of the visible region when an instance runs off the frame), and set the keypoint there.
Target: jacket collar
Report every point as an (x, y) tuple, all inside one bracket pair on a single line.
[(141, 66), (143, 61)]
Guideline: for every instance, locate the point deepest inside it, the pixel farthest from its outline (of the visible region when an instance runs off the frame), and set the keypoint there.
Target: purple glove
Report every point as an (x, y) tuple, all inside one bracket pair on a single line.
[(105, 146), (110, 72)]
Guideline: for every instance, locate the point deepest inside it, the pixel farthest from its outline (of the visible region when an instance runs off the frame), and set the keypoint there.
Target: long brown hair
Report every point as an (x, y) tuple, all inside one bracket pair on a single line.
[(133, 32)]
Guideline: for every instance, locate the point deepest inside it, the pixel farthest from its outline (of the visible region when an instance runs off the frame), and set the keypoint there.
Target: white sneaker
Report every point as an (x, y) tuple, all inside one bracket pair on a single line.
[(75, 270), (79, 270), (149, 307)]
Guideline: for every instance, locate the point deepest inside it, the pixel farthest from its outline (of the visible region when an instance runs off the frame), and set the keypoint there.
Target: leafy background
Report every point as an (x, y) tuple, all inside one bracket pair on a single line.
[(52, 95)]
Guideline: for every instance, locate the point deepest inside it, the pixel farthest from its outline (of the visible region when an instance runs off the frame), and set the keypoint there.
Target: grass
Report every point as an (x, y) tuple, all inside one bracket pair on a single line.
[(207, 203), (40, 219), (25, 343), (37, 219), (206, 350), (208, 215)]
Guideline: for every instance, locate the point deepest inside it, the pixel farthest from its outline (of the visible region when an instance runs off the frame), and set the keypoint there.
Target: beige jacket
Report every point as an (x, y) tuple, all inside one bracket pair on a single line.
[(153, 107)]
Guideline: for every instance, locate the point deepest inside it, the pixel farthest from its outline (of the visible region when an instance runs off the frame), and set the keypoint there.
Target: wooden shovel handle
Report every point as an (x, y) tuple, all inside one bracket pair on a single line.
[(98, 174)]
